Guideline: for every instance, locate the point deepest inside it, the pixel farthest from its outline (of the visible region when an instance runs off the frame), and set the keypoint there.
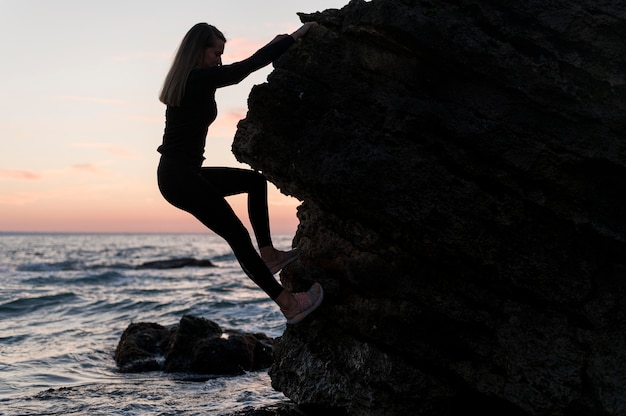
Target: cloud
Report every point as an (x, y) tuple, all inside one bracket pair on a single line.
[(26, 175), (65, 186)]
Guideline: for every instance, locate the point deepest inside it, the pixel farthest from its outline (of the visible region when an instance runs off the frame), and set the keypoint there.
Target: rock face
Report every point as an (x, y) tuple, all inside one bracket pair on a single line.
[(462, 172), (195, 345)]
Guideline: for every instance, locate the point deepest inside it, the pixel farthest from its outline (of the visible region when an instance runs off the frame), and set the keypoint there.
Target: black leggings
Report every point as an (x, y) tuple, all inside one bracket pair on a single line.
[(201, 192)]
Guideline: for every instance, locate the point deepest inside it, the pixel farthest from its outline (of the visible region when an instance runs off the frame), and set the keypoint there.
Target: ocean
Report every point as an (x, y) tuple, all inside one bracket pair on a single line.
[(65, 300)]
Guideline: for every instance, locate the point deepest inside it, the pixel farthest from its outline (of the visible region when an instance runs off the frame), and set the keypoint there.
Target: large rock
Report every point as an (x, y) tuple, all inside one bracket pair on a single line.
[(462, 169), (195, 345)]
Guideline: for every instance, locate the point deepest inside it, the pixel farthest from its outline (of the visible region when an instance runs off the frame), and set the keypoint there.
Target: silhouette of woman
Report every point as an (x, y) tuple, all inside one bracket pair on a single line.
[(189, 94)]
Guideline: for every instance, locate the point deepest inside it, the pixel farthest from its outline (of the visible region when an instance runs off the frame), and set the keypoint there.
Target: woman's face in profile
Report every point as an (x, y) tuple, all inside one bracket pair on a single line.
[(213, 54)]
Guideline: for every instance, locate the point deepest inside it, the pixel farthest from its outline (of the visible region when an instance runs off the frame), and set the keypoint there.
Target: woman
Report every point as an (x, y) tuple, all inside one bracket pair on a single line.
[(189, 93)]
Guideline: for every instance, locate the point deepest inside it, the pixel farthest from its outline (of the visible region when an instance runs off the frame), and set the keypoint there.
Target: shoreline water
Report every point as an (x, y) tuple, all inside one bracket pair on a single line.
[(65, 299)]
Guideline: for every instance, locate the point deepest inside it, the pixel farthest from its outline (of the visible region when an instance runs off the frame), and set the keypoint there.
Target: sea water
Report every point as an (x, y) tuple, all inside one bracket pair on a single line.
[(65, 300)]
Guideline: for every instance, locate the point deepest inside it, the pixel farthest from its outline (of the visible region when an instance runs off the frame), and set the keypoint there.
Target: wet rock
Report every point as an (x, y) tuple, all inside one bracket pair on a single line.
[(195, 345), (175, 264), (141, 348)]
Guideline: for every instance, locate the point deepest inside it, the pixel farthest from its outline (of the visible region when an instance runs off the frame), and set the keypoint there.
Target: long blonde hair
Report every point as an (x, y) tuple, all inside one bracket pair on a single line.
[(189, 55)]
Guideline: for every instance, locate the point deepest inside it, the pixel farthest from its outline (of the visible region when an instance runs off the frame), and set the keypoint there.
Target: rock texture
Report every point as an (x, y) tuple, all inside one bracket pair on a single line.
[(462, 171), (195, 345)]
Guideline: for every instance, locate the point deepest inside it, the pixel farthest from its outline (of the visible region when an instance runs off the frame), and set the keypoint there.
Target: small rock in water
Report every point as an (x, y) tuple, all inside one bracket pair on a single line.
[(195, 345), (176, 263)]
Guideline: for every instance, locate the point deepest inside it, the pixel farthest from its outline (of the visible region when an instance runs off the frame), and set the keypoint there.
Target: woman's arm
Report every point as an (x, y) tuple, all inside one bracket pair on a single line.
[(225, 75), (304, 29)]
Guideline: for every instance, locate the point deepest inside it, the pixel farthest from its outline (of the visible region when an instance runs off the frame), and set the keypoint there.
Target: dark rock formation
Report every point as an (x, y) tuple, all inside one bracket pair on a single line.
[(195, 345), (142, 347), (281, 409), (462, 171), (176, 263)]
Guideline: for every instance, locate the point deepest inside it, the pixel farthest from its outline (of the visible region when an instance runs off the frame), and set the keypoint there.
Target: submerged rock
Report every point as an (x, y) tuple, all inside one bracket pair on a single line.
[(175, 263), (195, 345), (461, 167)]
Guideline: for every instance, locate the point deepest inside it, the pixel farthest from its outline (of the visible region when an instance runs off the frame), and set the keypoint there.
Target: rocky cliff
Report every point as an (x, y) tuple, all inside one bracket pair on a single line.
[(462, 172)]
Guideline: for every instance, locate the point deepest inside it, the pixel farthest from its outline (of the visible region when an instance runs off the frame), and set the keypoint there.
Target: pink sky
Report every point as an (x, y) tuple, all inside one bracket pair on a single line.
[(80, 118)]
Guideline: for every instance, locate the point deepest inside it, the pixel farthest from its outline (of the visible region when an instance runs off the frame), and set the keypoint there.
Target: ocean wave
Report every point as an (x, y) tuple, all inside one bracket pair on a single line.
[(13, 339), (100, 278), (65, 300), (66, 265), (27, 305), (86, 280), (226, 257), (79, 265)]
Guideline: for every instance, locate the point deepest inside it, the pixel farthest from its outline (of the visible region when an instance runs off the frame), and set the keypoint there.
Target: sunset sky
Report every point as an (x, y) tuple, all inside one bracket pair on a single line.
[(79, 115)]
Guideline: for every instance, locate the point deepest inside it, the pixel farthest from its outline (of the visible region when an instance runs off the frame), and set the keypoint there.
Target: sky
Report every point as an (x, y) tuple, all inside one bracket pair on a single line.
[(80, 119)]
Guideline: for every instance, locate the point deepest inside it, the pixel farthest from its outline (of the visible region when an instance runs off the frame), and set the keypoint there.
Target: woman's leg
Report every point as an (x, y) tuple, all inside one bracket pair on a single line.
[(232, 181), (192, 192), (229, 227), (189, 191)]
